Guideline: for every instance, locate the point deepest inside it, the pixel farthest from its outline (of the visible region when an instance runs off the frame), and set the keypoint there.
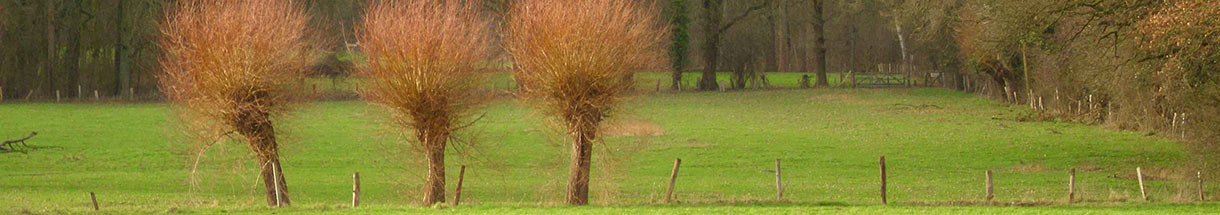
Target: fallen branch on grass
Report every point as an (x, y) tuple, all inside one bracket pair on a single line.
[(18, 145)]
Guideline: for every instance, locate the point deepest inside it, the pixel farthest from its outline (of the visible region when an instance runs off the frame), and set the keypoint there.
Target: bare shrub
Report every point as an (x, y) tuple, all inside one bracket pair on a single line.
[(575, 58), (231, 66), (422, 67), (1184, 82)]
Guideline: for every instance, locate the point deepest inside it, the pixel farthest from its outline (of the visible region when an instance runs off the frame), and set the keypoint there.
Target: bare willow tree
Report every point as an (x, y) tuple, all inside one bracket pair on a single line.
[(575, 57), (422, 67), (231, 66)]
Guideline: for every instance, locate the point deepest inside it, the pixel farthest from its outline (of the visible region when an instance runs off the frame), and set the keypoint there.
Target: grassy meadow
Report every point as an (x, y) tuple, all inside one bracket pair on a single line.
[(937, 143)]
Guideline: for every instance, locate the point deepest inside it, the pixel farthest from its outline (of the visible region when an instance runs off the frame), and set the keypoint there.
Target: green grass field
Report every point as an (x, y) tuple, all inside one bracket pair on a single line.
[(937, 143)]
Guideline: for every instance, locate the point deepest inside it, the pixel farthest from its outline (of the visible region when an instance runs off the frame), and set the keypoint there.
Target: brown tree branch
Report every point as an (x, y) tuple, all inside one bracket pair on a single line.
[(743, 16), (27, 137)]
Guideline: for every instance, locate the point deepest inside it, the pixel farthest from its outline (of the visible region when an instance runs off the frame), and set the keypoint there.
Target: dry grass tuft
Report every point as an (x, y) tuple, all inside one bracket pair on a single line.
[(232, 66), (576, 58), (422, 67)]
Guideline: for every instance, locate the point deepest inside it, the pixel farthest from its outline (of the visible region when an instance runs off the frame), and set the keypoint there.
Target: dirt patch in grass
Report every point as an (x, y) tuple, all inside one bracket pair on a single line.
[(1087, 167), (834, 96), (904, 108), (634, 128), (1028, 167)]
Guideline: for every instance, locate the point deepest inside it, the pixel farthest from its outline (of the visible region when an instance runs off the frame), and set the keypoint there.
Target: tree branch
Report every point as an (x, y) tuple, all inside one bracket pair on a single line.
[(20, 140), (743, 16)]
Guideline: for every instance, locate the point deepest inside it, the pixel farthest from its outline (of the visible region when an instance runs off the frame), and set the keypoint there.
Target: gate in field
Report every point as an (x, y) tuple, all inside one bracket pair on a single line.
[(895, 75)]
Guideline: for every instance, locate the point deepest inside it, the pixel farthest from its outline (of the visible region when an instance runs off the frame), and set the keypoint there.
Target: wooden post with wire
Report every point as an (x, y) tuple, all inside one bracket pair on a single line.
[(990, 188), (1140, 175), (1072, 185), (94, 198), (1199, 175), (355, 189), (883, 200), (457, 192), (673, 178), (779, 184)]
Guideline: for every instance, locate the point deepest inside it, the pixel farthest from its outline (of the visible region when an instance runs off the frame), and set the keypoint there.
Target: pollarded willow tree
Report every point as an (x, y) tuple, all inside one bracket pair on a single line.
[(231, 67), (575, 57), (422, 67)]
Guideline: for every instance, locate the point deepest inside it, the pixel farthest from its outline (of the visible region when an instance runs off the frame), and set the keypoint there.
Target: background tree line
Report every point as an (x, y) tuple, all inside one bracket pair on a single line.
[(109, 45)]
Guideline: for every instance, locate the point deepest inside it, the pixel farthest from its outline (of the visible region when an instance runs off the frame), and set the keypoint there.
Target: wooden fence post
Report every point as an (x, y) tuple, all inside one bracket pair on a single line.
[(1173, 124), (1140, 175), (56, 95), (1199, 175), (1071, 185), (355, 189), (96, 96), (673, 178), (1182, 126), (457, 192), (1, 93), (883, 200), (852, 76), (1040, 106), (94, 198), (779, 184), (990, 191), (80, 93)]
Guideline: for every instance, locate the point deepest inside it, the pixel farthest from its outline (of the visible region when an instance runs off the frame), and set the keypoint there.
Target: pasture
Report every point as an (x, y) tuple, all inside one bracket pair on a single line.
[(937, 144)]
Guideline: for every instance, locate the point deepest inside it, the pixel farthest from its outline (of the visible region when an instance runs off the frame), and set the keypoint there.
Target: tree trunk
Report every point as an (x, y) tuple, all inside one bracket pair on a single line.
[(711, 43), (273, 175), (122, 73), (677, 80), (49, 66), (72, 56), (257, 128), (819, 27), (681, 38), (582, 157), (780, 30), (902, 42), (434, 187), (851, 45)]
